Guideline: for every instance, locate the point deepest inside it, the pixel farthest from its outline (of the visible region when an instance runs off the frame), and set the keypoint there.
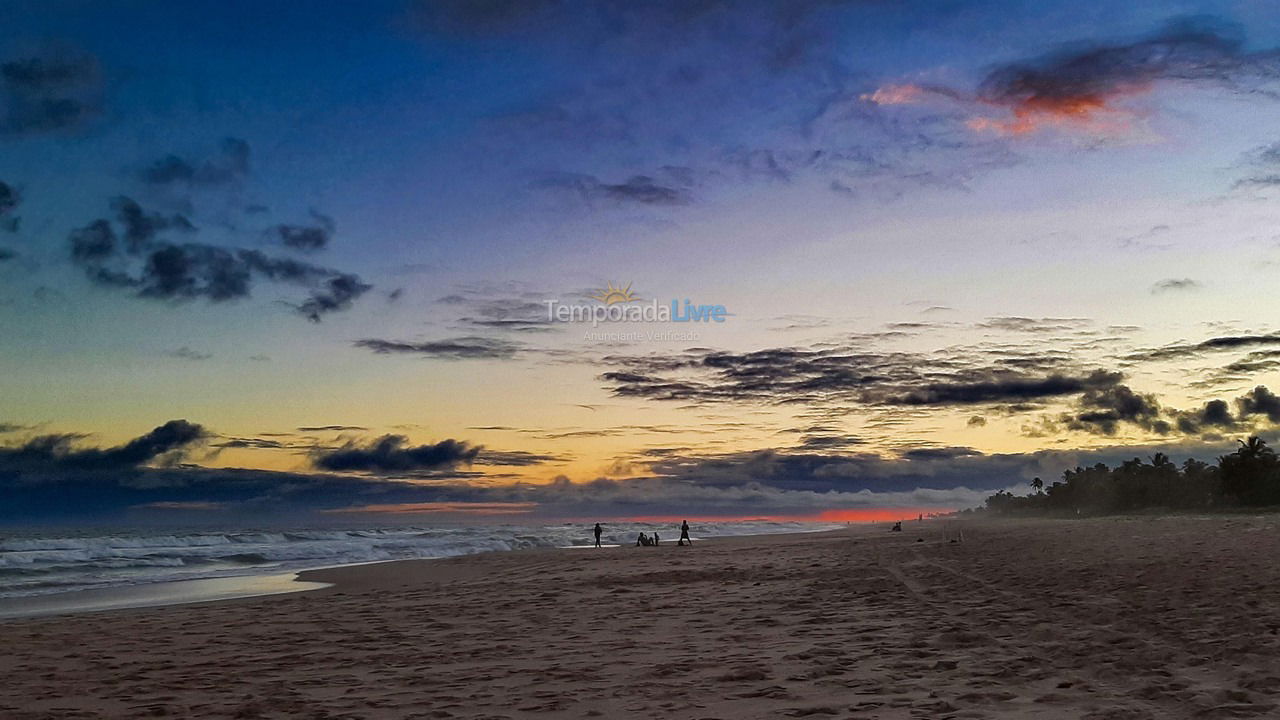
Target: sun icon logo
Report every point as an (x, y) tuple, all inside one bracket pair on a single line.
[(612, 295)]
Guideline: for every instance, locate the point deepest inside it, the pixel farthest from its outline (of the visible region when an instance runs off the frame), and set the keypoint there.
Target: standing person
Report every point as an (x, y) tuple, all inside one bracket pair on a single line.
[(655, 539), (684, 533), (598, 531)]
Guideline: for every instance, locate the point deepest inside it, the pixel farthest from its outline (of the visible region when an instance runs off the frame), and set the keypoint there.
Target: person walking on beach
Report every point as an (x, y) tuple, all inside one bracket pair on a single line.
[(598, 531), (684, 533)]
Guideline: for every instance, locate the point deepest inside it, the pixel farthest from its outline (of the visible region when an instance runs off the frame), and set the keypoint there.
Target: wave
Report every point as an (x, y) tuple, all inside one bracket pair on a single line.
[(35, 565)]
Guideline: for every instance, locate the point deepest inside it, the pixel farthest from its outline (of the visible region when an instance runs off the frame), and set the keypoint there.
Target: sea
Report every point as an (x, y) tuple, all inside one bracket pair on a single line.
[(37, 563)]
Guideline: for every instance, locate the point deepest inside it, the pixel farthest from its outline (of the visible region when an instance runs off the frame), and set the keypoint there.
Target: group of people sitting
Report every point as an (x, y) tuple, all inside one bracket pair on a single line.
[(652, 541)]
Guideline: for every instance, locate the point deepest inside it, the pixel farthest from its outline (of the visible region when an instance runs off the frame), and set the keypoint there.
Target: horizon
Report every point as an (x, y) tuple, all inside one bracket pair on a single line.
[(518, 262)]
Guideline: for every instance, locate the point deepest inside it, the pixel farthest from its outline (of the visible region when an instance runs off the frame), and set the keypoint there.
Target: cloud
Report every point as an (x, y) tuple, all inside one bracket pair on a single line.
[(515, 458), (1110, 410), (166, 443), (140, 260), (940, 453), (307, 238), (47, 479), (1103, 410), (1215, 344), (1260, 401), (848, 374), (186, 353), (1174, 285), (230, 165), (331, 428), (1263, 167), (461, 348), (56, 90), (828, 441), (1033, 325), (1083, 87), (392, 453), (10, 199), (638, 189), (1006, 389)]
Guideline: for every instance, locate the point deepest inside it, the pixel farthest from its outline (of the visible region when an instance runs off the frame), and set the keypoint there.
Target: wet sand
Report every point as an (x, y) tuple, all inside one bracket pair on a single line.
[(1100, 619)]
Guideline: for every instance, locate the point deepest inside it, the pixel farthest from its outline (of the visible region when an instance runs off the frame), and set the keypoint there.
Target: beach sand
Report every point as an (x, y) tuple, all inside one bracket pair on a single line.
[(1113, 618)]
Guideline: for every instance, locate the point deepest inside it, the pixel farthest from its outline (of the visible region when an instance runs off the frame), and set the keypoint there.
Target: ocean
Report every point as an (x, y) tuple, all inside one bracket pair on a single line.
[(46, 563)]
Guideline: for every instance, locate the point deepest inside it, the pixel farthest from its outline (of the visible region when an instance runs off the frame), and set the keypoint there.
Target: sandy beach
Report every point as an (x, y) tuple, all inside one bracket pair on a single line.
[(1111, 618)]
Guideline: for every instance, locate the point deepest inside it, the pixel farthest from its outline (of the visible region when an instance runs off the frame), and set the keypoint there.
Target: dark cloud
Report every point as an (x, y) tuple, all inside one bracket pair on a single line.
[(140, 259), (1005, 389), (853, 375), (230, 165), (639, 189), (1083, 79), (939, 453), (337, 293), (1110, 410), (1104, 410), (6, 254), (10, 199), (1260, 401), (515, 458), (1184, 350), (392, 454), (828, 442), (307, 238), (331, 428), (49, 92), (46, 453), (1174, 284), (976, 421), (462, 348)]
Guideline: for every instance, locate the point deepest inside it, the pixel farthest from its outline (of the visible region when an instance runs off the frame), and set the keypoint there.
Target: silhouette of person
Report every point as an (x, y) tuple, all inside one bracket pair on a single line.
[(655, 539), (598, 531), (684, 533), (642, 540)]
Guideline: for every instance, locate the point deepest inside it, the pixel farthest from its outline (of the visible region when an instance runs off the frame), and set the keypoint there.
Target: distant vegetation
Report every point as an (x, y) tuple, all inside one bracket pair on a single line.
[(1248, 477)]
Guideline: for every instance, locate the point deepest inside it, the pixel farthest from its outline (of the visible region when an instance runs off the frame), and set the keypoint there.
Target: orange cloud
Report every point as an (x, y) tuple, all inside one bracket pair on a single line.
[(1091, 114)]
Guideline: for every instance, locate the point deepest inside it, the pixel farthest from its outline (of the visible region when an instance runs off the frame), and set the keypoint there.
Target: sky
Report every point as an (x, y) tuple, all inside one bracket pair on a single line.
[(535, 260)]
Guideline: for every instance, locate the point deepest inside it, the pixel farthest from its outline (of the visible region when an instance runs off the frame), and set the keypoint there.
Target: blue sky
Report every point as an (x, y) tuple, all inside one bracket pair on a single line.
[(264, 217)]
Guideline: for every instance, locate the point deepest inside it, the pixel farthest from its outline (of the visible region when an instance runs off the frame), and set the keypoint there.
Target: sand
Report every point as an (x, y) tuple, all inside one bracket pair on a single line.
[(1114, 618)]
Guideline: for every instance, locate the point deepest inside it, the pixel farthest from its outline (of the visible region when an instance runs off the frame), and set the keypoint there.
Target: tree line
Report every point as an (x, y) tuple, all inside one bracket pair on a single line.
[(1248, 477)]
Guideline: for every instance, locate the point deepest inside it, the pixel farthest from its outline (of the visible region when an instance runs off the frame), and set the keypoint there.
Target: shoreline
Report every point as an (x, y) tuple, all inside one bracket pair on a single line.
[(233, 588)]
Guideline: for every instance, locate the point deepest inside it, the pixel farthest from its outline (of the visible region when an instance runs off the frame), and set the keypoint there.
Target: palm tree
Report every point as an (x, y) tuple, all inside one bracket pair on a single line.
[(1037, 484), (1253, 448)]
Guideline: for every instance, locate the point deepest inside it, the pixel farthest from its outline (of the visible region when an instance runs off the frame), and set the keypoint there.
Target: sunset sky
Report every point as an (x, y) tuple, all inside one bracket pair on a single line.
[(294, 261)]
